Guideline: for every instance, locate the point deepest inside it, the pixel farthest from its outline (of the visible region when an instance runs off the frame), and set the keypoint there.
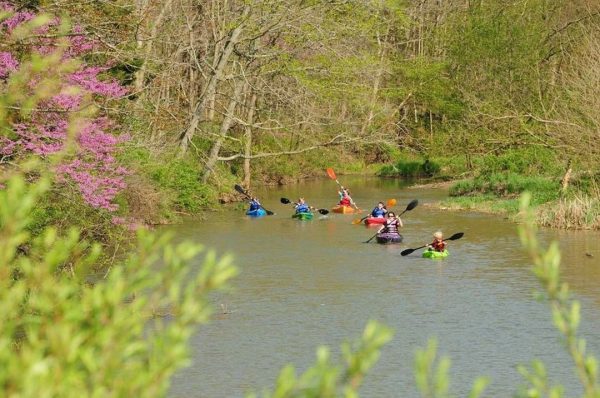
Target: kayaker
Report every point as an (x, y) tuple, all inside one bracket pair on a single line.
[(254, 204), (438, 244), (345, 198), (392, 223), (379, 211), (301, 206)]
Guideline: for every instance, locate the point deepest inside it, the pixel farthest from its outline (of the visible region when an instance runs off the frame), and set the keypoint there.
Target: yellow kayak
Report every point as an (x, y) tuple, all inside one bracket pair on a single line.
[(345, 209)]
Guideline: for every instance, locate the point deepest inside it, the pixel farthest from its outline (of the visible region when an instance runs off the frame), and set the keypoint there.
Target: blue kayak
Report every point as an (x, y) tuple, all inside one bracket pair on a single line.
[(256, 213)]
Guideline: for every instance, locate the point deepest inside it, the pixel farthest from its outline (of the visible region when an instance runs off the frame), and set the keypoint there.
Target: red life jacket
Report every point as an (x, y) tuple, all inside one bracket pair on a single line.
[(438, 246), (345, 201)]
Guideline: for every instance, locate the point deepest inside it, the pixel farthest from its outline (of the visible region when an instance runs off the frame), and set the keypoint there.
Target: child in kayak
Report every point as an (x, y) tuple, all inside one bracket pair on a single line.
[(254, 204), (301, 206), (391, 224), (379, 211), (345, 198), (438, 244)]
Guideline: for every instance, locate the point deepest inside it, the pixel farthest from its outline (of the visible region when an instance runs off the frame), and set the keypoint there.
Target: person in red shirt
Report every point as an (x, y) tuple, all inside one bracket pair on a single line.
[(438, 243), (345, 198)]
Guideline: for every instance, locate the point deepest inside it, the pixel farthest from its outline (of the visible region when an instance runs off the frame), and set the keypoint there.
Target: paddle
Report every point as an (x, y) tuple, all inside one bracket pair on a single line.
[(332, 175), (286, 201), (413, 203), (243, 192), (390, 203), (456, 236)]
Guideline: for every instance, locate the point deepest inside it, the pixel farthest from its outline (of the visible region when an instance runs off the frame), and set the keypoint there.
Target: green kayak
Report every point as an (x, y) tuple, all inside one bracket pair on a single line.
[(434, 254), (303, 216)]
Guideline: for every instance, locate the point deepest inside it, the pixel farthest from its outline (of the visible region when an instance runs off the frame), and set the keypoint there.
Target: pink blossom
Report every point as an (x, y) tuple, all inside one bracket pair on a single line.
[(8, 64), (14, 20), (87, 78), (7, 147), (93, 168)]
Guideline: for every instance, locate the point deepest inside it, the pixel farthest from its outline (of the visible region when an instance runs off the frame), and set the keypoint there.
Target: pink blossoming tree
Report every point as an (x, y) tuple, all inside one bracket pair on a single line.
[(45, 128)]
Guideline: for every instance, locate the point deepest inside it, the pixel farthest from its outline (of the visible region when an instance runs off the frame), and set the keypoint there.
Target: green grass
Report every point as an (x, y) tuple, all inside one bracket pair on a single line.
[(509, 186)]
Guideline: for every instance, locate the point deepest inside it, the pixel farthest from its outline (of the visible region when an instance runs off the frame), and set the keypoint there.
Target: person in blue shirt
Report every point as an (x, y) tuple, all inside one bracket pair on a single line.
[(379, 211), (302, 207), (254, 204)]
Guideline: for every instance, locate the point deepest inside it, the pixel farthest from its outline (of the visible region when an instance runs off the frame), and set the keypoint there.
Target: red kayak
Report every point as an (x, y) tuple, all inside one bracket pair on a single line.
[(374, 220)]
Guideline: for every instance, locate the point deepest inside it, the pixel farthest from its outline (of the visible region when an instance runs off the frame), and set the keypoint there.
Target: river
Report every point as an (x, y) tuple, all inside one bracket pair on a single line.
[(305, 284)]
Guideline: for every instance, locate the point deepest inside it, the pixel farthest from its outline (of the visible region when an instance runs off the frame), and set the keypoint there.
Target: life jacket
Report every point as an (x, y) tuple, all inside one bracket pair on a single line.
[(302, 208), (438, 246), (254, 205), (345, 201), (377, 212), (391, 226)]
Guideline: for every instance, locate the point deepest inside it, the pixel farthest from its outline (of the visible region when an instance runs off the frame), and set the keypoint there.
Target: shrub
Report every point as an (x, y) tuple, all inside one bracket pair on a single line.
[(97, 339), (411, 169), (183, 179)]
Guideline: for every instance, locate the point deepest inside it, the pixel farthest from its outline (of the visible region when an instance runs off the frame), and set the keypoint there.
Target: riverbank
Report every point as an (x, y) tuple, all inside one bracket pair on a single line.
[(563, 198), (570, 211)]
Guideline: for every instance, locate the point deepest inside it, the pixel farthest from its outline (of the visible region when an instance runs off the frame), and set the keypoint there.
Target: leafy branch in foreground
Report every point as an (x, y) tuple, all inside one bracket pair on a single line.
[(97, 338), (565, 314), (433, 380), (326, 379)]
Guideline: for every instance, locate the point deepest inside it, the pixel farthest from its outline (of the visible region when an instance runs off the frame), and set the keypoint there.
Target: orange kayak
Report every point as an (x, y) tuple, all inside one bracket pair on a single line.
[(344, 209)]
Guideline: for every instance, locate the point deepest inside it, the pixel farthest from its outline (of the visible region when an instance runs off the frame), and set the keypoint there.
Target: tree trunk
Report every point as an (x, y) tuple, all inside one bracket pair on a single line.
[(227, 121), (376, 84), (248, 140), (140, 75), (211, 86)]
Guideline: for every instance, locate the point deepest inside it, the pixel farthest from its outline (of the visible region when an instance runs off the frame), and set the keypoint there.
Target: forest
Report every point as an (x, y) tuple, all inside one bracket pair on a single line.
[(499, 96), (120, 114)]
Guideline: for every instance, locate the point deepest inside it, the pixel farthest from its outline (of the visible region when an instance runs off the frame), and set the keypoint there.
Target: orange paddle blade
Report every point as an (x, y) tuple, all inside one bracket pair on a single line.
[(331, 174), (391, 202), (357, 221)]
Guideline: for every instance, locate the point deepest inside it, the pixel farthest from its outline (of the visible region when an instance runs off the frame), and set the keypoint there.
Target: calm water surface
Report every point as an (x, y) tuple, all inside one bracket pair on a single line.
[(305, 284)]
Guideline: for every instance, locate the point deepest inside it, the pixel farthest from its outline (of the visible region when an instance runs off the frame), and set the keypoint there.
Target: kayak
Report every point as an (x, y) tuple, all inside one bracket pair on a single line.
[(256, 213), (386, 237), (303, 216), (435, 254), (374, 220), (344, 209)]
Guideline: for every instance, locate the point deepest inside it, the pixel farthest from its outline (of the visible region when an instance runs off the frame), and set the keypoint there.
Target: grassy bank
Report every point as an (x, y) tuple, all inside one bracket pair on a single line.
[(494, 183), (572, 208)]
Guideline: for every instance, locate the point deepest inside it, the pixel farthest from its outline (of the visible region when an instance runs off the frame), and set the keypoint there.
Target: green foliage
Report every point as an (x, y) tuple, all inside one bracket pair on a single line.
[(64, 337), (64, 208), (530, 160), (428, 82), (183, 178), (565, 314), (178, 179), (537, 382), (411, 169), (493, 48), (432, 376), (326, 379)]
